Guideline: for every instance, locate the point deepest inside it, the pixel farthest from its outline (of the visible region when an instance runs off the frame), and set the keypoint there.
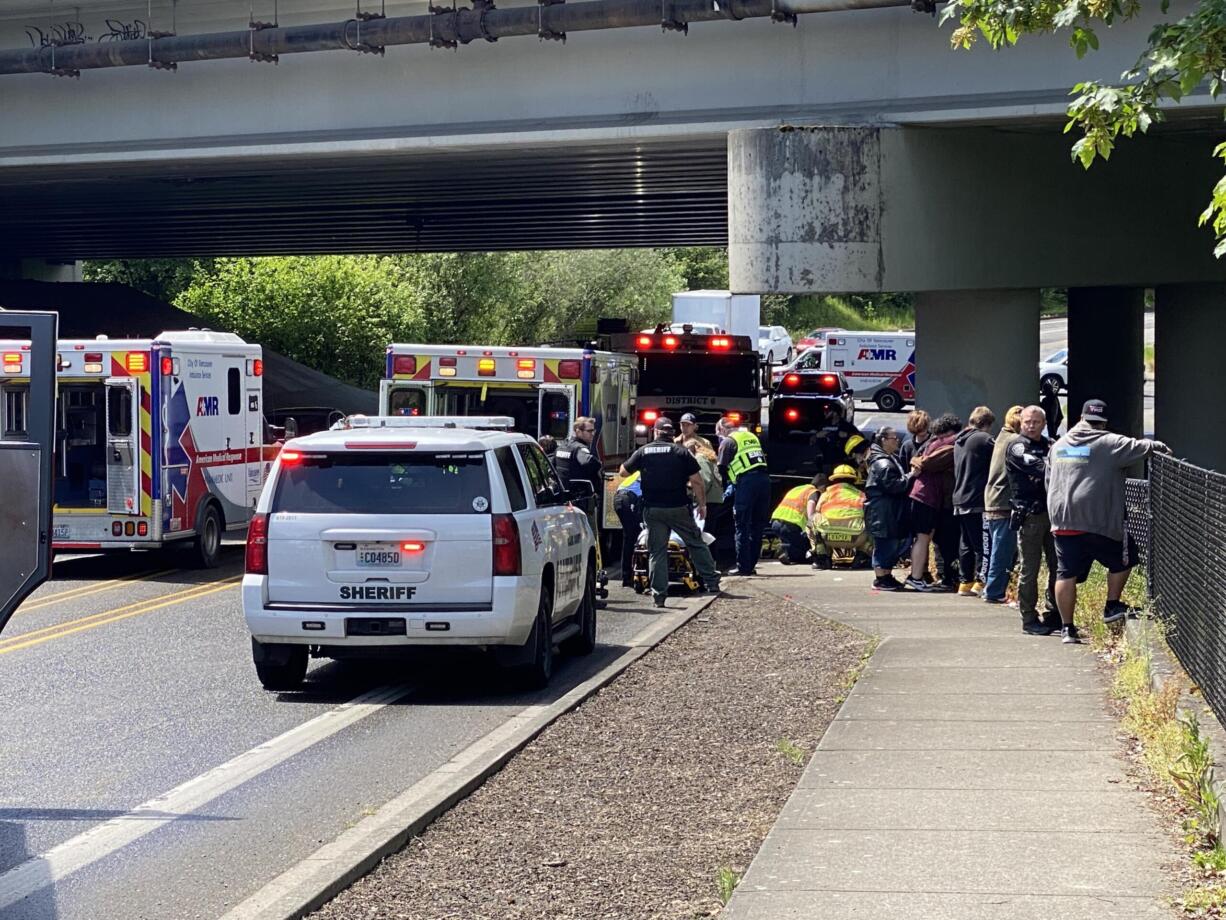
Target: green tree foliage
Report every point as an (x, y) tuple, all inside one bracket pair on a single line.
[(164, 279), (1179, 56), (701, 267), (334, 313), (338, 313)]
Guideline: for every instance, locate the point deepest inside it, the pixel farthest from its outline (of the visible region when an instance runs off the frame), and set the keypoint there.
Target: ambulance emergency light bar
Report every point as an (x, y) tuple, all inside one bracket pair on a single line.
[(475, 422)]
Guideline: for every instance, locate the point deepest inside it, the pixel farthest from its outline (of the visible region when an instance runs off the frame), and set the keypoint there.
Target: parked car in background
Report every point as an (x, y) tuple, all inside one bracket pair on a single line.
[(306, 419), (809, 360), (1054, 371), (774, 344), (817, 337)]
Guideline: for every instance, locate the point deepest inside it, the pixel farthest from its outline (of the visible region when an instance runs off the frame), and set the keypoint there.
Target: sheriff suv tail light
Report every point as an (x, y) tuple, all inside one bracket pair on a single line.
[(257, 545), (506, 545)]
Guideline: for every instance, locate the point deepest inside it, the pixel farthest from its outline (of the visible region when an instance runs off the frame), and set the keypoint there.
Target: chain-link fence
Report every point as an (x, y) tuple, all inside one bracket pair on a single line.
[(1179, 523)]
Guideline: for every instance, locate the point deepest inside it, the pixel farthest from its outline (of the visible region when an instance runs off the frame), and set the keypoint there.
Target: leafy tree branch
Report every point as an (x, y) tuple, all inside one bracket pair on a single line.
[(1179, 57)]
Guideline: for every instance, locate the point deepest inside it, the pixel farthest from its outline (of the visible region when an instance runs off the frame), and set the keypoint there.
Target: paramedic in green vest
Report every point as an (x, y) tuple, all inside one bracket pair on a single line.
[(790, 522), (742, 463)]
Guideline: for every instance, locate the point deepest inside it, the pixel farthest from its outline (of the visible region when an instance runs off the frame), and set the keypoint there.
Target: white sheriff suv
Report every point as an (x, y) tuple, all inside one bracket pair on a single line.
[(417, 532)]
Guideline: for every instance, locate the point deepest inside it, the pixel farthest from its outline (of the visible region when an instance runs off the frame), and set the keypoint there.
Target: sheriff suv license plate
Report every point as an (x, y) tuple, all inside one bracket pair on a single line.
[(377, 556)]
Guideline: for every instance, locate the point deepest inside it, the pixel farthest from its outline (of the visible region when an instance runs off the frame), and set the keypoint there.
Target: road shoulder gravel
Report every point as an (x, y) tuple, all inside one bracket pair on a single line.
[(638, 802)]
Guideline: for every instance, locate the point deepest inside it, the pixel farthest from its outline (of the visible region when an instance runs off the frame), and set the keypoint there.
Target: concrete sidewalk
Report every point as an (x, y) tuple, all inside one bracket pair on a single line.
[(973, 773)]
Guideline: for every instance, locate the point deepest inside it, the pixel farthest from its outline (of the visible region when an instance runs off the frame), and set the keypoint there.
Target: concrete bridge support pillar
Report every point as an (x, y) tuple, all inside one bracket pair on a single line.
[(976, 348), (1106, 341), (1190, 388)]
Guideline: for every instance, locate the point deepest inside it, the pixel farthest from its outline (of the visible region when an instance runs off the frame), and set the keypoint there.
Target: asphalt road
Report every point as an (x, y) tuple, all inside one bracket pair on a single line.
[(125, 679)]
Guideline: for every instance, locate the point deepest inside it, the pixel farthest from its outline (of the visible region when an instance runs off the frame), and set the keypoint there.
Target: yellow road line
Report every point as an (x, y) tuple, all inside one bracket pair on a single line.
[(70, 594), (47, 633)]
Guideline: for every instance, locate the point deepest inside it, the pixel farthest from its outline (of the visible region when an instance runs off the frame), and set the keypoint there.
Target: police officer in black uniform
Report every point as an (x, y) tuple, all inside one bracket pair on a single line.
[(667, 469), (576, 459)]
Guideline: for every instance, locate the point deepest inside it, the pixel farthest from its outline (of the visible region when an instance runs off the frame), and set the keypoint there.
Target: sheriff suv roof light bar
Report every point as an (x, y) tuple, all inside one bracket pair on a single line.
[(476, 422)]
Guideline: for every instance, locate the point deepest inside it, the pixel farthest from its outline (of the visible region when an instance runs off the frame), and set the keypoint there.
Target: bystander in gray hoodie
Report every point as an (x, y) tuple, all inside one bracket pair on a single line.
[(1085, 479)]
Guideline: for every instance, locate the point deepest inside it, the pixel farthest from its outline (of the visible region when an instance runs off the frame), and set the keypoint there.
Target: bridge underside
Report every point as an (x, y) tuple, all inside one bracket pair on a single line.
[(608, 195)]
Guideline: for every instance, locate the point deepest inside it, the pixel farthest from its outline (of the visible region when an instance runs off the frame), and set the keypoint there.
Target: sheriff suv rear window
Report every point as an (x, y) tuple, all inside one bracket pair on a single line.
[(384, 483)]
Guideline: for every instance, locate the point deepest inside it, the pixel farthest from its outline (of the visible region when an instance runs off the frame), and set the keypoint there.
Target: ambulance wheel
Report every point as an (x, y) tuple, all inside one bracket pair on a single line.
[(888, 401), (279, 667), (584, 642), (206, 548), (536, 673)]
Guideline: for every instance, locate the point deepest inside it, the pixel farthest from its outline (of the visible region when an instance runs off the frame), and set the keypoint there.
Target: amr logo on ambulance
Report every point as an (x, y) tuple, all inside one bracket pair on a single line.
[(158, 440)]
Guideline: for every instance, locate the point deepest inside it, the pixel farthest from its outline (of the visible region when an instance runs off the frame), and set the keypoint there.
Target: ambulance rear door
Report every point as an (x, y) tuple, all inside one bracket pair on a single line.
[(403, 397), (122, 445), (555, 410)]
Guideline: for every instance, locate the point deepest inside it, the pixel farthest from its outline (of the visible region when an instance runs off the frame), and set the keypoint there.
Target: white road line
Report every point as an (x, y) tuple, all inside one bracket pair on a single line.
[(62, 860)]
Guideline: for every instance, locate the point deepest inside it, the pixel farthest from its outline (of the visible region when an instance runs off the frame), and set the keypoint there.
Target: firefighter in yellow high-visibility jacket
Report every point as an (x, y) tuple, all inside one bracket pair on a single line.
[(838, 520), (790, 521)]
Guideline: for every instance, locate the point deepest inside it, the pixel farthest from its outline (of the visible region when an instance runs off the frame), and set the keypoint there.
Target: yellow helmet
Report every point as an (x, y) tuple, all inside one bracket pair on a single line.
[(852, 443), (844, 473)]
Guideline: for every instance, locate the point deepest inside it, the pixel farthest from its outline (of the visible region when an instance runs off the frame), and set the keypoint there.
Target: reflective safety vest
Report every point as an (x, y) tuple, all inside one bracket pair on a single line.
[(629, 481), (792, 508), (841, 507), (749, 455)]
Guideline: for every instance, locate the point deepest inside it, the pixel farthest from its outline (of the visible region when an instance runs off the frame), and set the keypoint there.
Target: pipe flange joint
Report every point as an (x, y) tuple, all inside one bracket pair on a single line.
[(543, 34), (356, 43)]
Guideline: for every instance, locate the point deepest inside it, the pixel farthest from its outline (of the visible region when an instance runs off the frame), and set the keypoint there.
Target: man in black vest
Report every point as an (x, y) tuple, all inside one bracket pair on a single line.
[(667, 469), (576, 459)]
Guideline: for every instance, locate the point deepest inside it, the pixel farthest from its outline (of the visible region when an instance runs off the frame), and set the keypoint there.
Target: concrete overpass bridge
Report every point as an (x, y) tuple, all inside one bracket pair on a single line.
[(918, 168)]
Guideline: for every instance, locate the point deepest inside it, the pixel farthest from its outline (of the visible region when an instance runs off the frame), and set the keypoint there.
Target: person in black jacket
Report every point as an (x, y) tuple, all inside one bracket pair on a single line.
[(1026, 465), (972, 458), (885, 507), (576, 458)]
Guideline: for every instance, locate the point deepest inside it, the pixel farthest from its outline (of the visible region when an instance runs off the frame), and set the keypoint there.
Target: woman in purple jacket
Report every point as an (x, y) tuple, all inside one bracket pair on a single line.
[(932, 514)]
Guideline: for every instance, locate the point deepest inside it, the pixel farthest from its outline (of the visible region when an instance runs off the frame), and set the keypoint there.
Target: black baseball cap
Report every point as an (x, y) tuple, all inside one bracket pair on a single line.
[(689, 417), (1094, 410), (663, 423)]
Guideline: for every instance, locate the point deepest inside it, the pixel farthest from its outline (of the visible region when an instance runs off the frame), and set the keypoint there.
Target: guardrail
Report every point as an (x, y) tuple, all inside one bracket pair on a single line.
[(1178, 518)]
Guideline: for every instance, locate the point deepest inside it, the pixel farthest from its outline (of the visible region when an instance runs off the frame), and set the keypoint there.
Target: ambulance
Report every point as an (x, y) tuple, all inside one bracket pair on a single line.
[(878, 366), (158, 441), (543, 389)]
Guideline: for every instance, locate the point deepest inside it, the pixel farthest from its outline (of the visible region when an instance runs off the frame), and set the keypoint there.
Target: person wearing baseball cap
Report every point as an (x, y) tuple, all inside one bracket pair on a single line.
[(1085, 499), (689, 432), (667, 469)]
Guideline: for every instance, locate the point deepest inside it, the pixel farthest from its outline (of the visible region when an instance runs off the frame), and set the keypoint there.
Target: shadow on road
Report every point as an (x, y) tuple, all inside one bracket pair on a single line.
[(442, 678), (107, 566), (39, 904)]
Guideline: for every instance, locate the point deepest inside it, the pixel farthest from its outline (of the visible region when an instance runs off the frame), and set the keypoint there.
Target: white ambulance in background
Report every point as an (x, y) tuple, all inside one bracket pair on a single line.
[(878, 366), (158, 441)]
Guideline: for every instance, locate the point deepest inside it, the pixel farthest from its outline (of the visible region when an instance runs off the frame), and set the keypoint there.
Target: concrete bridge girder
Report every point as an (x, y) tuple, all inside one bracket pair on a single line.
[(941, 209), (976, 221)]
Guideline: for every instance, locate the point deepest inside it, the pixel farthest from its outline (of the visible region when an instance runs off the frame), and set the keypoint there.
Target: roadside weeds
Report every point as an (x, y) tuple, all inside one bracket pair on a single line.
[(1160, 712)]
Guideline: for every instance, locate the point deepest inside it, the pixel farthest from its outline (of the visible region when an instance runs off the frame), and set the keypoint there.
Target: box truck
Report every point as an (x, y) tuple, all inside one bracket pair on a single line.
[(735, 314)]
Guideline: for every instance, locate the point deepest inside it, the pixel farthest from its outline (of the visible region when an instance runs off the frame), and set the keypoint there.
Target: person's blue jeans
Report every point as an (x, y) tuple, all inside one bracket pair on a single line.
[(887, 551), (751, 507), (795, 542), (1000, 541)]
